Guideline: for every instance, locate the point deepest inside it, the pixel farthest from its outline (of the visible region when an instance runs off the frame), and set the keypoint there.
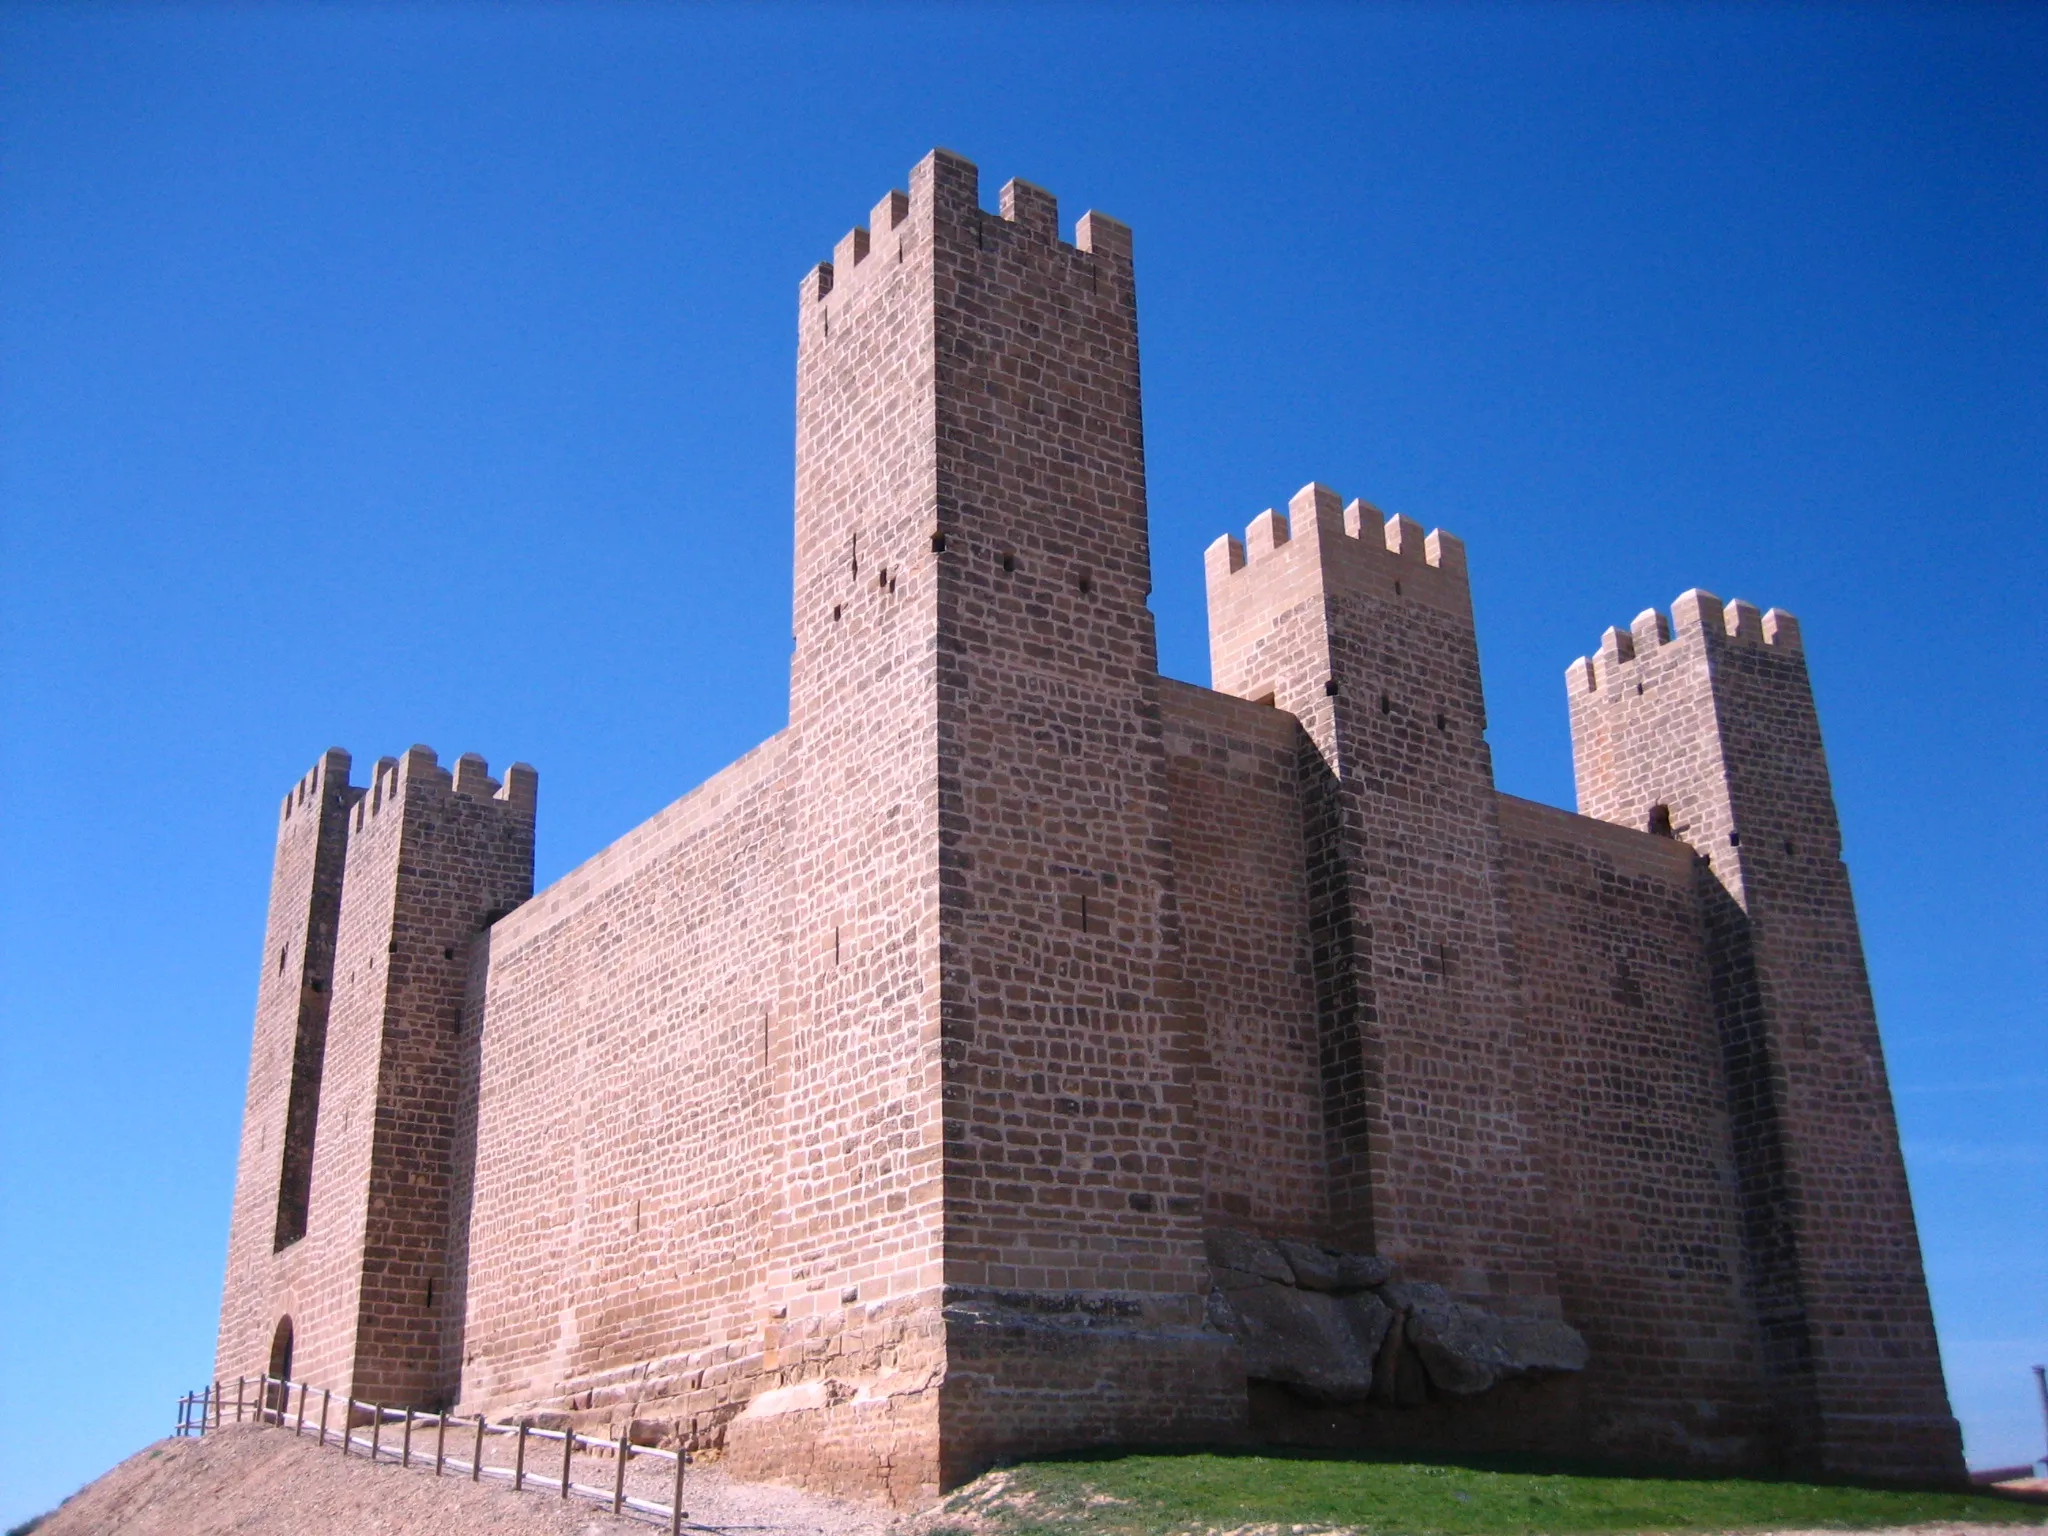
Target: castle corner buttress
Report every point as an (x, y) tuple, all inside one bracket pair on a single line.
[(1022, 1051)]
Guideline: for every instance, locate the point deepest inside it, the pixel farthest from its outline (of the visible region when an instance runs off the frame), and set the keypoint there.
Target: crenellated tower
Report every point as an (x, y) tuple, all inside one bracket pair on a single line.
[(1362, 629), (399, 879), (294, 989), (988, 936), (1702, 727)]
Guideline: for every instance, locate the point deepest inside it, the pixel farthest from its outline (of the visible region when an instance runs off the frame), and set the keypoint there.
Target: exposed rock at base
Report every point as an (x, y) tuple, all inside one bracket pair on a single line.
[(1322, 1346), (1360, 1271), (1251, 1255), (1544, 1344), (1467, 1349), (1337, 1328), (1314, 1269)]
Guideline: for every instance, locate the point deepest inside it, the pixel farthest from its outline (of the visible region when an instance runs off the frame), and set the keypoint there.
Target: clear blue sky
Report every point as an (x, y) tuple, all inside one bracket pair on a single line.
[(381, 374)]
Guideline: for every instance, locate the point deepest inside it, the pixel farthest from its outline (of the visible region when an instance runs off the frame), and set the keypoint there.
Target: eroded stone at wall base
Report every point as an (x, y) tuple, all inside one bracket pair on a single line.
[(876, 1440), (1337, 1328), (1926, 1451), (1038, 1372)]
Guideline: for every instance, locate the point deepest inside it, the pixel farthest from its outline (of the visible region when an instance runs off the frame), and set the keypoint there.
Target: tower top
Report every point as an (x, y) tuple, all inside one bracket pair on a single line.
[(1697, 618), (945, 181)]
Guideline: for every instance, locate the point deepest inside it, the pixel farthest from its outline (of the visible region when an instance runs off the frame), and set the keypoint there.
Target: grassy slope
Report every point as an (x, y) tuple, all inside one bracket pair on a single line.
[(1145, 1494)]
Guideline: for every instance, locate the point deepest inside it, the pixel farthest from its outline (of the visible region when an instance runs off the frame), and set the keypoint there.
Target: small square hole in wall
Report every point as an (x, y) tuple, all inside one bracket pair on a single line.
[(1082, 908)]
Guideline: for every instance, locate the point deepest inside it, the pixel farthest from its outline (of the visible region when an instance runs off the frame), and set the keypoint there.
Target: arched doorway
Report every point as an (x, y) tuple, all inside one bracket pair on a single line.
[(277, 1394)]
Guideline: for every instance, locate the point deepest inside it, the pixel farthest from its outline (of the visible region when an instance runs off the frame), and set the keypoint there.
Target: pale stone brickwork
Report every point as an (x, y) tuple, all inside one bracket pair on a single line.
[(1365, 636), (861, 1116), (1705, 724), (431, 859)]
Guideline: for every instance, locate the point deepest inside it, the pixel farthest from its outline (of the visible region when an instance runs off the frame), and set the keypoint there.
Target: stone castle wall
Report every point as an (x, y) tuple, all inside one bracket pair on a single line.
[(878, 1109)]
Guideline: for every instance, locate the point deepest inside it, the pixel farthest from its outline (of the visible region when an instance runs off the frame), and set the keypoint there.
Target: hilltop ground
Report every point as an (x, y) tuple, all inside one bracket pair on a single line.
[(249, 1481)]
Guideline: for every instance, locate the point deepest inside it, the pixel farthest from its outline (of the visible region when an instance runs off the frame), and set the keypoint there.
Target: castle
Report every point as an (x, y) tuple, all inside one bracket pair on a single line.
[(1022, 1050)]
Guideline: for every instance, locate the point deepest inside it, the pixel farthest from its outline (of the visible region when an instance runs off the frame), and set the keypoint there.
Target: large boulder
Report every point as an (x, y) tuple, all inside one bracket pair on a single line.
[(1246, 1254), (1318, 1345), (1467, 1349), (1544, 1344), (1329, 1325), (1362, 1271), (1463, 1348), (1315, 1269)]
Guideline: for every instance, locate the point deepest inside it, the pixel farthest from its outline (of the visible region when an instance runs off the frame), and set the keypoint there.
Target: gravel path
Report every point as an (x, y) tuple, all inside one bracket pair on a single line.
[(252, 1481)]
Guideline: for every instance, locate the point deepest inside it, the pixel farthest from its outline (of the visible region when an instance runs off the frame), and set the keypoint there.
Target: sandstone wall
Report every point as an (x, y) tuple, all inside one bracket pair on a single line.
[(273, 1179), (1234, 777), (1704, 724), (1362, 629), (1637, 1143), (617, 1200), (431, 857)]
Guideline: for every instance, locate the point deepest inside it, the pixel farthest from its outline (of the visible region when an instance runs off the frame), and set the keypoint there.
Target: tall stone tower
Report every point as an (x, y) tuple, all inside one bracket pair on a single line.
[(337, 1260), (1363, 631), (1703, 728), (989, 935)]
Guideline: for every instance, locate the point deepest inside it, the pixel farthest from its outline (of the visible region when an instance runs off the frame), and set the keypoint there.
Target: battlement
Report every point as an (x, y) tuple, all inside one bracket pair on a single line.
[(328, 776), (1698, 618), (1355, 545), (420, 771), (945, 181)]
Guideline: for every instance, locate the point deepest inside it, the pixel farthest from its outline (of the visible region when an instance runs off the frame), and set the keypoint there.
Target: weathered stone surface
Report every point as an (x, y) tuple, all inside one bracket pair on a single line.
[(1369, 1318), (1463, 1349), (1362, 1271), (1398, 1377), (1303, 1339), (1543, 1344), (1315, 1269), (1467, 1349), (1408, 1294), (1231, 1249)]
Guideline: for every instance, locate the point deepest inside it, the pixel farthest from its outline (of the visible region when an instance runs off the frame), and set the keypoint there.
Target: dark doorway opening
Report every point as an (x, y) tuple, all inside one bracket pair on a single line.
[(277, 1391)]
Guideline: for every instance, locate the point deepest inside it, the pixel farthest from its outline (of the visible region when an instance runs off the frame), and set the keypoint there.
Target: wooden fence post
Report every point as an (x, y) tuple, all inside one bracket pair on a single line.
[(619, 1472), (519, 1460), (326, 1395), (568, 1451), (376, 1427), (675, 1507), (440, 1438), (299, 1423), (405, 1451), (476, 1461)]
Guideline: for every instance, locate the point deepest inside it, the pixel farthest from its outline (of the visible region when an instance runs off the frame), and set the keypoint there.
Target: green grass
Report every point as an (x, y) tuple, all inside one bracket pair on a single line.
[(1154, 1495)]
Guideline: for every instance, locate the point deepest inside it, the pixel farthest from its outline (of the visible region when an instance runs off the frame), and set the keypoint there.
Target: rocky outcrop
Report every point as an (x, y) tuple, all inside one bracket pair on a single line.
[(1339, 1328)]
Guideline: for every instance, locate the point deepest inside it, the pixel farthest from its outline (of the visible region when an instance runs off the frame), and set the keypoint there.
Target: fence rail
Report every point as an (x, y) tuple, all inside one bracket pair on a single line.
[(269, 1400)]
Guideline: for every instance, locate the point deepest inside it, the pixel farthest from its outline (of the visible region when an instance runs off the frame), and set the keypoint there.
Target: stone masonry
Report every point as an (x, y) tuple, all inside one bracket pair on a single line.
[(1023, 1051)]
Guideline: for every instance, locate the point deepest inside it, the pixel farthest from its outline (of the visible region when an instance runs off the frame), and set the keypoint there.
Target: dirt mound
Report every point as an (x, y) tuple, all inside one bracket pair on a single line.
[(243, 1480)]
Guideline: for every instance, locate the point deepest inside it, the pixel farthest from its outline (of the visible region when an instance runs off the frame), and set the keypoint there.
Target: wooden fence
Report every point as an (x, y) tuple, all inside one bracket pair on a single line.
[(362, 1430)]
